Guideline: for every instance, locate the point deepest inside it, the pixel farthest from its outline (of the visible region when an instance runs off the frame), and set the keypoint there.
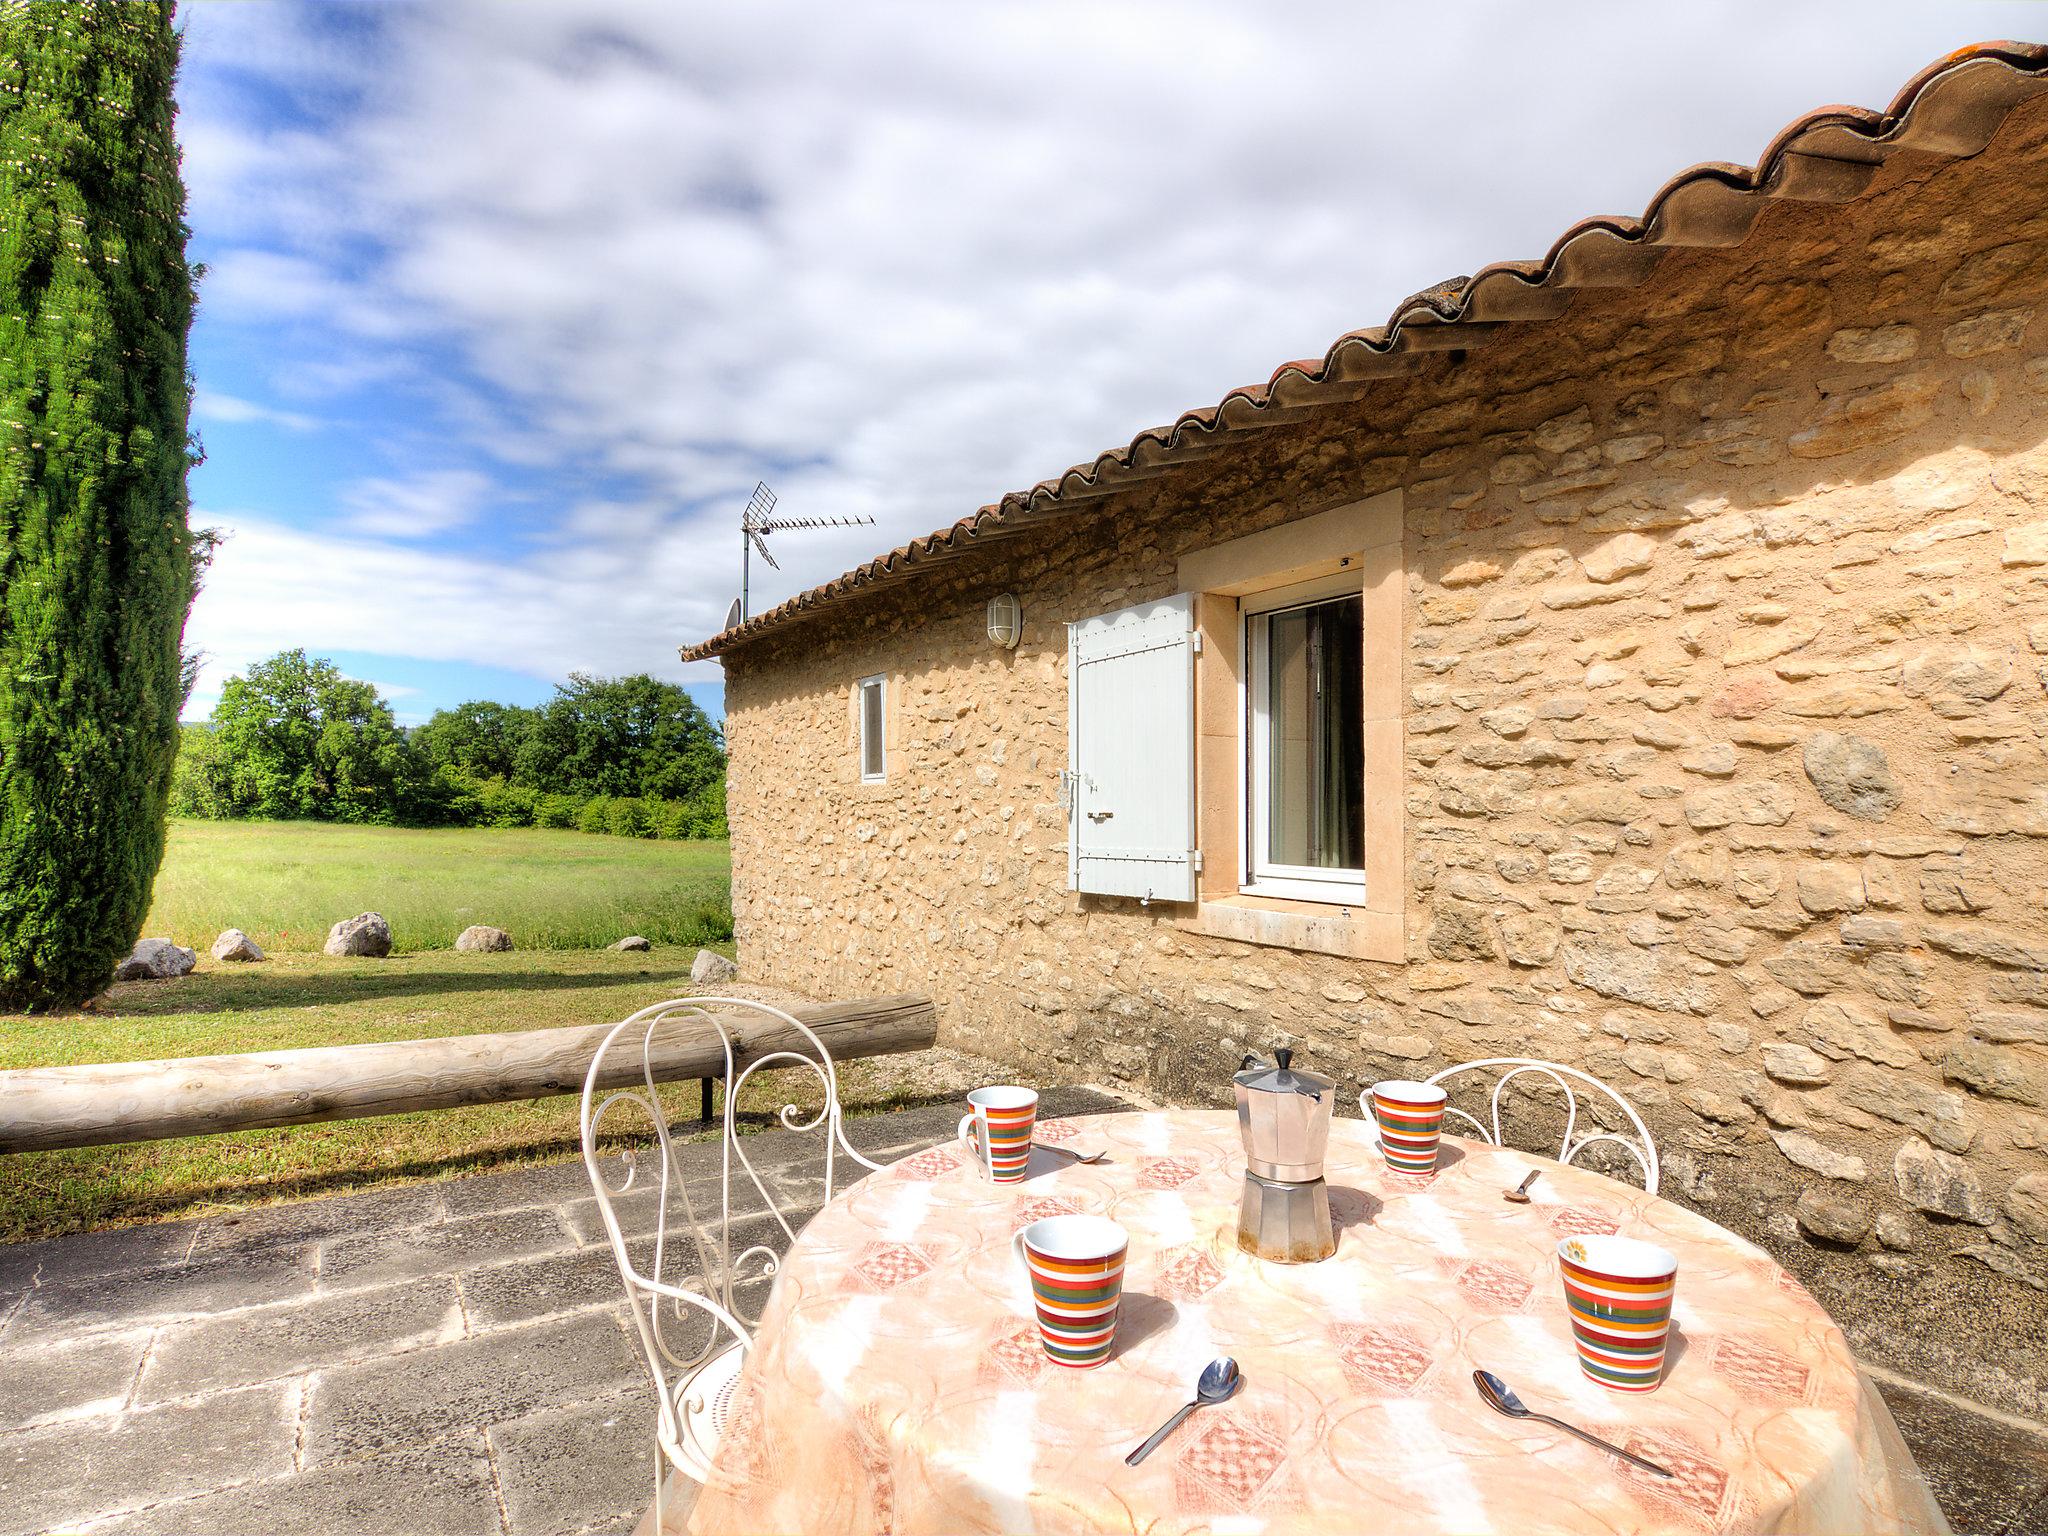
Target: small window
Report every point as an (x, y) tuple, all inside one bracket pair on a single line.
[(869, 693), (1305, 743)]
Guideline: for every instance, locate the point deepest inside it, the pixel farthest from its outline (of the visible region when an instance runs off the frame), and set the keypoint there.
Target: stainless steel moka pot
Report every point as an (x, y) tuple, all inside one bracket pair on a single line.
[(1284, 1117)]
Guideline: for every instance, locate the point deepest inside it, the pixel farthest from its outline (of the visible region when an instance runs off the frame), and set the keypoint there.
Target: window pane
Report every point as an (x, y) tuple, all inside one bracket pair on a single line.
[(871, 730), (1315, 778)]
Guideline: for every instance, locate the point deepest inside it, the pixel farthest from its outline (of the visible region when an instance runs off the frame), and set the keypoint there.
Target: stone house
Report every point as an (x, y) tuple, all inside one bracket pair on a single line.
[(1633, 658)]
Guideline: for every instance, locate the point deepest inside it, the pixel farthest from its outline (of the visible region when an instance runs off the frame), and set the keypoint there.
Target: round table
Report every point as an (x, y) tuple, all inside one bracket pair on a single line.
[(896, 1383)]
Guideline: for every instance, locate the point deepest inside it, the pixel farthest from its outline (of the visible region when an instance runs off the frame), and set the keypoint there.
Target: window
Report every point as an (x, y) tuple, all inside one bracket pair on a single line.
[(868, 695), (1305, 742)]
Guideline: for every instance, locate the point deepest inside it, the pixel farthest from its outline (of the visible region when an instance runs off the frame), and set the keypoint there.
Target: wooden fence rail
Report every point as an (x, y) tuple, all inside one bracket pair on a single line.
[(43, 1108)]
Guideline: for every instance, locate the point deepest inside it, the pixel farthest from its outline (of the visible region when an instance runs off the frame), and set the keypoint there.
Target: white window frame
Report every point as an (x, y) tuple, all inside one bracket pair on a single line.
[(880, 683), (1258, 876)]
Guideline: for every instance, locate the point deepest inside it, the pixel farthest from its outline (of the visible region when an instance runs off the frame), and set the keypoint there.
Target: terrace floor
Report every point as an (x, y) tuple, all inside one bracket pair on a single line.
[(444, 1359), (452, 1359)]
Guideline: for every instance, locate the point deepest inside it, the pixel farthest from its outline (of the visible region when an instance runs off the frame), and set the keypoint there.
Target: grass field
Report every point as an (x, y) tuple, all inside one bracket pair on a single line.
[(562, 896), (285, 883)]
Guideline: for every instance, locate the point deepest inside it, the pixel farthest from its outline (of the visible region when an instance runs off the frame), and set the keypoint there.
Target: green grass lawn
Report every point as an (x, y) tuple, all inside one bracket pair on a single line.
[(299, 1000), (285, 883), (562, 896)]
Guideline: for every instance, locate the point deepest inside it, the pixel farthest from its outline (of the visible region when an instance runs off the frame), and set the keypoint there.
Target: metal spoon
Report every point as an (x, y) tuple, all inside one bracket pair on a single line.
[(1220, 1379), (1084, 1157), (1520, 1193), (1501, 1398)]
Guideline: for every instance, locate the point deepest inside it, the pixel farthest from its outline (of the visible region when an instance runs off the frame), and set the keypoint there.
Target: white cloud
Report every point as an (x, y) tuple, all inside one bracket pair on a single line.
[(595, 606), (213, 405), (901, 259), (416, 507), (389, 691)]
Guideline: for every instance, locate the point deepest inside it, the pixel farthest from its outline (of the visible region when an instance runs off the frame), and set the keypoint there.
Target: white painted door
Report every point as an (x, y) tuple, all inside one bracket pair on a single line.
[(1131, 739)]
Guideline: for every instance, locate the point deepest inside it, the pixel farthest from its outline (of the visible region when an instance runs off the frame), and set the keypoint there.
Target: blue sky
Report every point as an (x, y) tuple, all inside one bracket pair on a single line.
[(509, 306)]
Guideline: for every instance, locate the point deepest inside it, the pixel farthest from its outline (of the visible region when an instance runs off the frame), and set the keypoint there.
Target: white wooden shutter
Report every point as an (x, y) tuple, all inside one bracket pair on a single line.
[(1131, 746)]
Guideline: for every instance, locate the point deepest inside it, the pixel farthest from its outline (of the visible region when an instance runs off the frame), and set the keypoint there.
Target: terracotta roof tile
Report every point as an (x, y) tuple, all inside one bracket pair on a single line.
[(1952, 107)]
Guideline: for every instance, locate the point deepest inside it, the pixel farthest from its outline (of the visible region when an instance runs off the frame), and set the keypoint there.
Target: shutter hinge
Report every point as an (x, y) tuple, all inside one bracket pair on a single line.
[(1195, 636), (1198, 860)]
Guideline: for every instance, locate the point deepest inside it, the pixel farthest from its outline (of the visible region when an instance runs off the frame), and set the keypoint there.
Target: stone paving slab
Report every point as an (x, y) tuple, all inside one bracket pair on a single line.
[(562, 1471), (133, 1296), (428, 1360), (287, 1339), (39, 1382), (357, 1410), (447, 1247), (1990, 1474), (445, 1488), (309, 1221), (67, 1472), (94, 1254)]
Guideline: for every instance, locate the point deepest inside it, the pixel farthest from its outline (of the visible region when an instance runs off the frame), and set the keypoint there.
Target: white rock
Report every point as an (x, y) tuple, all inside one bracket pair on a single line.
[(364, 934), (233, 944), (711, 968), (482, 939), (633, 944)]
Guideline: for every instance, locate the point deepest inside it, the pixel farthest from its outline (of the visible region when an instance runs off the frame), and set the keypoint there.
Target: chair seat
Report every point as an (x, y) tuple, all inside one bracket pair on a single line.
[(704, 1400)]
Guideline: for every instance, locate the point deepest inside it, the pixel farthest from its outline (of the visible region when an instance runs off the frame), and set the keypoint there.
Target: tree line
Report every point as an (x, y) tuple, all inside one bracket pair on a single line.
[(293, 739)]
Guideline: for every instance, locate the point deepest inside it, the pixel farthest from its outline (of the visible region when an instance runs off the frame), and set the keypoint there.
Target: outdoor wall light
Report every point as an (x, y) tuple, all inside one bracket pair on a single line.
[(1006, 620)]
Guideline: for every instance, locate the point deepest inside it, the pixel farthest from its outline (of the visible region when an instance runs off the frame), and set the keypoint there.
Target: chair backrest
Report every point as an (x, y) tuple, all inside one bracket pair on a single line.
[(670, 1286), (1569, 1081)]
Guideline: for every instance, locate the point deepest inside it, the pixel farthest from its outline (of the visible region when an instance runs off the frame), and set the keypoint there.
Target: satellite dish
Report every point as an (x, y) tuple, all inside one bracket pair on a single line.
[(733, 615)]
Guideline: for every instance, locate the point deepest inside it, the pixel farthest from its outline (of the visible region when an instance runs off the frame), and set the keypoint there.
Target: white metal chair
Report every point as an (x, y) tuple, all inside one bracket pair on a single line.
[(694, 1383), (1641, 1147)]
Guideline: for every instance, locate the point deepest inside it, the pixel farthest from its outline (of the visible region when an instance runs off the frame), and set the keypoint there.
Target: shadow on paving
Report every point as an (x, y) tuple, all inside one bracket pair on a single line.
[(413, 1359)]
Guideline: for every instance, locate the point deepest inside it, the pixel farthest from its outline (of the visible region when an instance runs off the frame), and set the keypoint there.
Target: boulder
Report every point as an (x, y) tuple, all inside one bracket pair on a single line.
[(155, 960), (479, 938), (633, 944), (233, 944), (711, 968), (364, 934)]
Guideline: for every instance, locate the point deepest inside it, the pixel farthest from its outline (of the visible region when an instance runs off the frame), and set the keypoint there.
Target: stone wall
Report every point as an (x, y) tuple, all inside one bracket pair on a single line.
[(1726, 646)]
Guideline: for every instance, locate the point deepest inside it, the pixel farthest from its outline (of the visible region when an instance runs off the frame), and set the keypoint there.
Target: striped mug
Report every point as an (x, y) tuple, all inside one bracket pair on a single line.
[(1618, 1291), (1411, 1121), (998, 1128), (1076, 1265)]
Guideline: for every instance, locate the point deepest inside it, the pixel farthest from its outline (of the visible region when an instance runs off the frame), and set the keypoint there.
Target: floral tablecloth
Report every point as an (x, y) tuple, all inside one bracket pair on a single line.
[(897, 1384)]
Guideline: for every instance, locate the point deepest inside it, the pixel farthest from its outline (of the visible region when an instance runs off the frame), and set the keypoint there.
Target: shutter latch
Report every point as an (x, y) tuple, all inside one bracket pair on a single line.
[(1100, 815)]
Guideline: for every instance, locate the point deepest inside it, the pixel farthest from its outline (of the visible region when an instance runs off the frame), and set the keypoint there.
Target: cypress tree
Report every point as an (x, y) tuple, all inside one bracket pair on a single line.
[(96, 558)]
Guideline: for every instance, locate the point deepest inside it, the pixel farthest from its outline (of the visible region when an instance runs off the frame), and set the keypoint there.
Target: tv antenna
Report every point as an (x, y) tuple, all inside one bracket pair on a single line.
[(758, 521)]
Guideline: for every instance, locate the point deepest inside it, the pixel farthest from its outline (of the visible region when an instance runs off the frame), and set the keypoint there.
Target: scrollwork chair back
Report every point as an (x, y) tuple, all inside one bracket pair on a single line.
[(681, 1276), (1564, 1078)]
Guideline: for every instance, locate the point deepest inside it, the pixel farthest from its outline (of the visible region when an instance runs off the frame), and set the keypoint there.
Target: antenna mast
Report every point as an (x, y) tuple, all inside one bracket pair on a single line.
[(759, 520)]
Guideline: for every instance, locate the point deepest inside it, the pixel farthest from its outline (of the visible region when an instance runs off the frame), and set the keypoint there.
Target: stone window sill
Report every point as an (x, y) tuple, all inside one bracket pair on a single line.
[(1310, 926)]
